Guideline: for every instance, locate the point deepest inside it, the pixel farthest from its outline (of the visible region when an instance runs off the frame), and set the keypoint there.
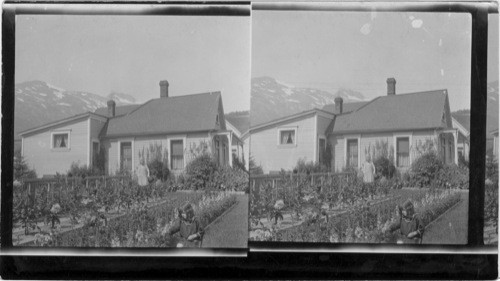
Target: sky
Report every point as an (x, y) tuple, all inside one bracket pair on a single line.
[(360, 50), (131, 54)]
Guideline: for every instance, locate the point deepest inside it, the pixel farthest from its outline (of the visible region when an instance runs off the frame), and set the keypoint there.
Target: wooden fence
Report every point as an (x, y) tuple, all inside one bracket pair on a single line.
[(287, 183), (59, 187)]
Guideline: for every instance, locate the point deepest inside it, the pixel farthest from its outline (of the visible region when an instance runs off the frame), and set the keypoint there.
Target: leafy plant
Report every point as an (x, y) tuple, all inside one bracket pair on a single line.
[(426, 168), (384, 167), (200, 171)]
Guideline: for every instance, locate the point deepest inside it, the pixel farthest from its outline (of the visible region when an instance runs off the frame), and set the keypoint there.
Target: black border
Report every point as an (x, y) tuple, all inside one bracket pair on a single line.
[(265, 265)]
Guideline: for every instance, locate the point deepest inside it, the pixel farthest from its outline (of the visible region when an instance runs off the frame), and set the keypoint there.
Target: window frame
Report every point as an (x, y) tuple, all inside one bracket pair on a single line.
[(397, 136), (61, 132), (346, 152), (282, 129), (170, 154)]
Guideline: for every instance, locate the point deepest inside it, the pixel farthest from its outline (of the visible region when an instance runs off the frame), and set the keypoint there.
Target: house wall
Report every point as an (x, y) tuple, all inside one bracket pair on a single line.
[(367, 143), (95, 129), (272, 157), (495, 146), (140, 145), (40, 156)]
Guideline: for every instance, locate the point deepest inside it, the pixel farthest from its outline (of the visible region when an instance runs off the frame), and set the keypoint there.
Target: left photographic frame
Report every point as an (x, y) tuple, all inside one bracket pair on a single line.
[(128, 127)]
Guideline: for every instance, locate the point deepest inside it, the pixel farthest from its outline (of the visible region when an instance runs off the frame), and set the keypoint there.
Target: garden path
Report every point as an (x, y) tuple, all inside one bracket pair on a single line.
[(231, 230), (451, 227)]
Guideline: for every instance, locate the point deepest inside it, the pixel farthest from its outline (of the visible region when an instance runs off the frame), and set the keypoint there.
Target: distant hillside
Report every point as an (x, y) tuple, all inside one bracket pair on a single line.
[(240, 119), (463, 115), (271, 99), (38, 103)]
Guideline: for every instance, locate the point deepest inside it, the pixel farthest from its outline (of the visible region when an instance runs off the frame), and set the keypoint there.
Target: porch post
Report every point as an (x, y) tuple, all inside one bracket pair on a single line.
[(230, 151), (455, 136)]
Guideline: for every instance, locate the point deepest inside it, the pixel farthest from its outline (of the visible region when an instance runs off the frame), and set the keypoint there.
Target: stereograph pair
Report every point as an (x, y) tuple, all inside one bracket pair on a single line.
[(208, 126)]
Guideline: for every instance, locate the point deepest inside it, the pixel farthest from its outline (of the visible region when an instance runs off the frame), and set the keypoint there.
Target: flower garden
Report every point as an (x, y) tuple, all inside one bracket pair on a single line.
[(337, 208), (309, 205), (106, 212)]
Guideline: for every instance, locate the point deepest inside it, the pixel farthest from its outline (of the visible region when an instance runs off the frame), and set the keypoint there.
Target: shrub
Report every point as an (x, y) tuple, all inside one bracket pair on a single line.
[(21, 168), (452, 176), (230, 178), (254, 168), (384, 167), (83, 171), (200, 171), (426, 168), (492, 169), (303, 167), (156, 158), (240, 164)]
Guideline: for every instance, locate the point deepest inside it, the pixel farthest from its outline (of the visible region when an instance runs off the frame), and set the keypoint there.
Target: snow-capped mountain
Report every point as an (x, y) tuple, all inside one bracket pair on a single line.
[(37, 103), (271, 99)]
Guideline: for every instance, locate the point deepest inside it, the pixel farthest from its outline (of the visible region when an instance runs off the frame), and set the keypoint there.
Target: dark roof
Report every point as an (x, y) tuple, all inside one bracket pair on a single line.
[(463, 119), (59, 122), (119, 110), (242, 122), (168, 115), (423, 110), (346, 107)]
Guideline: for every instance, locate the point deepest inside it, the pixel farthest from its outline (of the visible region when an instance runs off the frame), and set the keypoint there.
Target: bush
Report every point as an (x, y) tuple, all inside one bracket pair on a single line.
[(254, 168), (303, 167), (384, 167), (200, 171), (452, 176), (426, 168), (492, 169), (158, 169), (240, 164), (21, 169), (83, 171), (156, 158), (227, 178)]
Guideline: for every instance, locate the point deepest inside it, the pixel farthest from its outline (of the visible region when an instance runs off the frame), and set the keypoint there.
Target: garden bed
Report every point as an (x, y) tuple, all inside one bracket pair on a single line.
[(368, 223), (143, 226)]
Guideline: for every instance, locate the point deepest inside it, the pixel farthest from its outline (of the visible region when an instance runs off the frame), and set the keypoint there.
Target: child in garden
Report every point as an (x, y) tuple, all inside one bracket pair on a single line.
[(411, 229), (188, 226)]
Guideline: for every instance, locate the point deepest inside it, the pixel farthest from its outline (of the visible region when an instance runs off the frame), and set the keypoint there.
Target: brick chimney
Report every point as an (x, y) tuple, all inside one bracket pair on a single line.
[(111, 108), (391, 86), (339, 104), (164, 89)]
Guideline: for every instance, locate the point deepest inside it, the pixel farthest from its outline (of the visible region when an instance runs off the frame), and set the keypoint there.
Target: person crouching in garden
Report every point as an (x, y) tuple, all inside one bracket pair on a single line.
[(188, 226), (411, 229), (368, 171)]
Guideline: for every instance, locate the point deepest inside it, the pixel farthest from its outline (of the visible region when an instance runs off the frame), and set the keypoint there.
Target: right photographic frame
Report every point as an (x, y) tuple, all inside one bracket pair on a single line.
[(361, 126)]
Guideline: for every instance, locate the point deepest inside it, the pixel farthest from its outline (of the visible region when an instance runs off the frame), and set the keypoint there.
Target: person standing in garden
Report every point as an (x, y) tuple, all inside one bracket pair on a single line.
[(411, 229), (142, 173), (368, 170), (188, 226)]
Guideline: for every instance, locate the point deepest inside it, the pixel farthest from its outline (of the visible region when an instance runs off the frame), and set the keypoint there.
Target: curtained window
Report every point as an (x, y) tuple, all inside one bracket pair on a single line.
[(287, 137), (177, 151), (60, 140), (403, 152)]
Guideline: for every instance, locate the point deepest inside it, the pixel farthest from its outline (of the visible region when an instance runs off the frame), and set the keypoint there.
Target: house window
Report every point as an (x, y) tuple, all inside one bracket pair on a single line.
[(177, 151), (352, 153), (403, 152), (126, 156), (287, 137), (60, 140)]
